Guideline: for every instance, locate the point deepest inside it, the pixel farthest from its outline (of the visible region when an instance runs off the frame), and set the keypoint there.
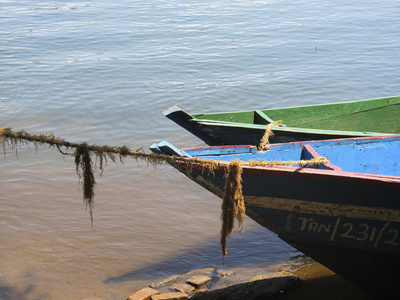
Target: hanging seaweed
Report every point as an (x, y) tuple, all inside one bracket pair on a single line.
[(83, 156), (232, 203), (83, 164)]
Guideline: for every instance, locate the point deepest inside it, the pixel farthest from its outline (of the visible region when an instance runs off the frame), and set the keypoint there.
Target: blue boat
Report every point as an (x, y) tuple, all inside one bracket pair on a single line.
[(345, 214)]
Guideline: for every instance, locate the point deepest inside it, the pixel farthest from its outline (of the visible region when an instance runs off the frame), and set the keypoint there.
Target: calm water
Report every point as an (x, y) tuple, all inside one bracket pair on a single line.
[(103, 71)]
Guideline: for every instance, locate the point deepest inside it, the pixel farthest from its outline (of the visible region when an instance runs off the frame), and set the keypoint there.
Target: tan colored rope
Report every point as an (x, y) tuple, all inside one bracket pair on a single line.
[(268, 133), (82, 153), (212, 165), (233, 201)]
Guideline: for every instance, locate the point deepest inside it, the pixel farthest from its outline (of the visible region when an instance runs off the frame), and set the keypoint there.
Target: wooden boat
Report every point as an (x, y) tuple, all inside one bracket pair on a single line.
[(373, 117), (345, 214)]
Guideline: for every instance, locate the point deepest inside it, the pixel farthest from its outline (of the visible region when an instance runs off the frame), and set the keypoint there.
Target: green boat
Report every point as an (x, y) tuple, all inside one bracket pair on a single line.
[(363, 118)]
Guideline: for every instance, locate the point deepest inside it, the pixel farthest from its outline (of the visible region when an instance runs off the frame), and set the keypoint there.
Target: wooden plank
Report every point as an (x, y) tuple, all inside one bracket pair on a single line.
[(261, 118)]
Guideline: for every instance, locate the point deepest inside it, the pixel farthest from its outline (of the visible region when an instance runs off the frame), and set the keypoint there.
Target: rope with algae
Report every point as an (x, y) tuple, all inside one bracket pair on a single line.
[(82, 153), (264, 143), (233, 201)]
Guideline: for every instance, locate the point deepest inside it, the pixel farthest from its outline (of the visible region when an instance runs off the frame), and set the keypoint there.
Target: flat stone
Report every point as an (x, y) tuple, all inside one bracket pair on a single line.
[(272, 275), (198, 280), (258, 289), (205, 271), (224, 274), (166, 281), (184, 288), (143, 294), (170, 296)]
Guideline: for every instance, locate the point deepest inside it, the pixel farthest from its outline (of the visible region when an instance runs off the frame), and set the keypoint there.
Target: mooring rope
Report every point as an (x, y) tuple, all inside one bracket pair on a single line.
[(233, 200), (264, 143), (82, 153)]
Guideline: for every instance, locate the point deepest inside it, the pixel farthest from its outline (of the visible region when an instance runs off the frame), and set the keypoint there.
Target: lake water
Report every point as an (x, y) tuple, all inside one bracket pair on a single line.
[(103, 71)]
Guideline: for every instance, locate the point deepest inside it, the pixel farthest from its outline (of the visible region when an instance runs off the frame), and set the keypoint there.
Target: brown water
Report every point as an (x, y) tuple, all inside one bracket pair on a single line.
[(149, 223), (144, 230), (103, 71)]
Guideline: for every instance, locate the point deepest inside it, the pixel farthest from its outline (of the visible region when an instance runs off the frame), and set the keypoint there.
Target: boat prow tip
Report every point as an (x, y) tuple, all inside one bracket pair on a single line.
[(170, 110)]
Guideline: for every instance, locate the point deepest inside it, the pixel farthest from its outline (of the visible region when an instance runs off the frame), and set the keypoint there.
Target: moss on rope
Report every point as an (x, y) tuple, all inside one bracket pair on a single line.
[(82, 152), (233, 201)]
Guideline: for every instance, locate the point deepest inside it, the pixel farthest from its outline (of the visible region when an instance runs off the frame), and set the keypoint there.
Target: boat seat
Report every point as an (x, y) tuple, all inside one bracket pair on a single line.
[(262, 119), (308, 152)]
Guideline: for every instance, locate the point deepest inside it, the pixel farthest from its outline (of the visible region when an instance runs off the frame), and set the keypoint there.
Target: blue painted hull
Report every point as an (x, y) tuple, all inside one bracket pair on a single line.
[(347, 219)]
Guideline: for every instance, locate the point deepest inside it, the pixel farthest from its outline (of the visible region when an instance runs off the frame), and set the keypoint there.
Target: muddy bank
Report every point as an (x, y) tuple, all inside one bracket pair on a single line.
[(199, 284), (315, 282), (260, 288), (318, 282)]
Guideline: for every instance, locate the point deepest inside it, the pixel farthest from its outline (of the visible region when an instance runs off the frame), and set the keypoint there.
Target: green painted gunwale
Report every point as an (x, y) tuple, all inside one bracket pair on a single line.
[(381, 115)]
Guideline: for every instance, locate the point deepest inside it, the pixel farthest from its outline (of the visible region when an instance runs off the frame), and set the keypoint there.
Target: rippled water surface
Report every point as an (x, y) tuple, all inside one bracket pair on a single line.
[(103, 71)]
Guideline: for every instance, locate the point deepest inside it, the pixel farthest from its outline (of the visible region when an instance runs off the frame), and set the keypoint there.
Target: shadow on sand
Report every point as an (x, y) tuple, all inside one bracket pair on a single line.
[(256, 248), (10, 293)]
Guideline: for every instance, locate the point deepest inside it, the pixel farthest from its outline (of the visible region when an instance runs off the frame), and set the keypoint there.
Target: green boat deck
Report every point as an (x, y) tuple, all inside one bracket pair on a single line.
[(375, 115)]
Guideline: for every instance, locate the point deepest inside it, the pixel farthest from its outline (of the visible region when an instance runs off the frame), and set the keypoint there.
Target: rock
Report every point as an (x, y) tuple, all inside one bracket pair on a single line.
[(143, 294), (166, 281), (252, 290), (198, 280), (93, 298), (205, 271), (224, 274), (203, 290), (271, 275), (184, 288), (170, 296)]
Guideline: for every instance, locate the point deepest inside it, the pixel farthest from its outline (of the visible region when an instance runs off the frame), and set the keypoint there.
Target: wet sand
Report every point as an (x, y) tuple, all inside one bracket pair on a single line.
[(318, 282)]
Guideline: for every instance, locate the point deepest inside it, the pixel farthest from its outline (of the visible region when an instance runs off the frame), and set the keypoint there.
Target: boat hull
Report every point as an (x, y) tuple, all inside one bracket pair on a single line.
[(215, 134), (345, 224), (373, 117), (345, 214)]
